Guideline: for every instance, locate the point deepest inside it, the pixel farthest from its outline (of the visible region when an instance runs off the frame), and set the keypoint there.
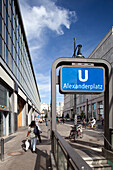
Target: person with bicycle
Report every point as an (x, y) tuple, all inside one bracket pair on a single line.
[(93, 122)]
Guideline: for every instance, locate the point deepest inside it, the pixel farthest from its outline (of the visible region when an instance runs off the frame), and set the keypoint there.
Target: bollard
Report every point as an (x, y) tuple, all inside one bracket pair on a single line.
[(2, 149)]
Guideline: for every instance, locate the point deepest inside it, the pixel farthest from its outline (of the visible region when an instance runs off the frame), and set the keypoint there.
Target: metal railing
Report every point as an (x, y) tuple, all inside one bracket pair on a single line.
[(65, 156), (2, 149), (107, 141)]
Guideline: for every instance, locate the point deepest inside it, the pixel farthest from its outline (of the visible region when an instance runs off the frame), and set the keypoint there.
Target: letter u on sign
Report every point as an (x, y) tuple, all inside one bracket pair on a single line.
[(80, 75)]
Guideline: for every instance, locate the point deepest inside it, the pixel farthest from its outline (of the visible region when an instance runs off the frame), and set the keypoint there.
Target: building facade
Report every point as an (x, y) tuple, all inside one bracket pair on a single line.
[(60, 109), (19, 95), (45, 108), (93, 105), (69, 105)]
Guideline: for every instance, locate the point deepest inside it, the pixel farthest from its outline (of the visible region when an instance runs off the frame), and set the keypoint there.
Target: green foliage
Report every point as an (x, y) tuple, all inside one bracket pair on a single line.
[(82, 114), (46, 115)]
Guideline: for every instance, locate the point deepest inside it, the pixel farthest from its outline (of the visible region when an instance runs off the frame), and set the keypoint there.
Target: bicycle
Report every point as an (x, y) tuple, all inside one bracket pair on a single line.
[(94, 126), (76, 132)]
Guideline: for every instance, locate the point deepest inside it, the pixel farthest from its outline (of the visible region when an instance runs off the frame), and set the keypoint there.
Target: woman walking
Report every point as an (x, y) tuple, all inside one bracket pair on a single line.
[(32, 136)]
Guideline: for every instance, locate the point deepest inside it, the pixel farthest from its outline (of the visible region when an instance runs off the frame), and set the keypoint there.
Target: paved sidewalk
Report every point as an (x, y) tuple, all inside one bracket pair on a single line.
[(89, 146), (15, 157)]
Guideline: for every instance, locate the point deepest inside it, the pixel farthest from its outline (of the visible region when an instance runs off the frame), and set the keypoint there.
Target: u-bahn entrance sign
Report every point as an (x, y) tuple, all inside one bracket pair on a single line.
[(82, 79), (101, 84)]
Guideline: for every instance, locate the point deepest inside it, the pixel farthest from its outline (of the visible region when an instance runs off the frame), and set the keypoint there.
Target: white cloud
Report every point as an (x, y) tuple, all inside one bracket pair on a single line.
[(47, 15), (44, 86), (37, 19)]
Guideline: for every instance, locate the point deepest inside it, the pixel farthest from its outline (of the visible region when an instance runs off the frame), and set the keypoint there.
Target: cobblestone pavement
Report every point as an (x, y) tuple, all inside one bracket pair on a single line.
[(15, 157)]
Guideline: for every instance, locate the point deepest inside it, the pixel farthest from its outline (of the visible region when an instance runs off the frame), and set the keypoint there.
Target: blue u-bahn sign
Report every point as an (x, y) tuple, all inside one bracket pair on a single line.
[(80, 79)]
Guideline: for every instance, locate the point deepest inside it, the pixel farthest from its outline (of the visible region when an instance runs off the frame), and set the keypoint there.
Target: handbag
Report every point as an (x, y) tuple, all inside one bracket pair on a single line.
[(27, 144)]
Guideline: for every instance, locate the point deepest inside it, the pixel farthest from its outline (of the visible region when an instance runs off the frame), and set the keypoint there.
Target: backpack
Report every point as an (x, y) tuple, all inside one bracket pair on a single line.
[(36, 131)]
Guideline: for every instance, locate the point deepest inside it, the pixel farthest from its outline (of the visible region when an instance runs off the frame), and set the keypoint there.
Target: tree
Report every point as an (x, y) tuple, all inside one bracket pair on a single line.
[(46, 115), (82, 114)]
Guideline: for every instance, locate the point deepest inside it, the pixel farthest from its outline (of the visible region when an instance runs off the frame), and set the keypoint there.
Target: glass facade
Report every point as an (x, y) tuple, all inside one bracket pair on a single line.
[(14, 50), (4, 109)]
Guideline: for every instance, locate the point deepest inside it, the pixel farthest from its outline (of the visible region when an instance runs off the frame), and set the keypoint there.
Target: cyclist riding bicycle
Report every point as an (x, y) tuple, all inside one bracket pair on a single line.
[(93, 122)]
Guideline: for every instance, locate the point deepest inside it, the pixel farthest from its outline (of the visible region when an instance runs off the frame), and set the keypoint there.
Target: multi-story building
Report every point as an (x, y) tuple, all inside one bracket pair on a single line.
[(92, 105), (69, 105), (60, 109), (19, 95), (45, 108)]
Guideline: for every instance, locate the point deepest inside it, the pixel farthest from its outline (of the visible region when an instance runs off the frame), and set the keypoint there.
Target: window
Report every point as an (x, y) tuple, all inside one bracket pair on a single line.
[(12, 33), (12, 4), (15, 57), (6, 55), (15, 44), (11, 63), (11, 17), (0, 6), (0, 25), (9, 60), (18, 75), (7, 5), (7, 38), (4, 13), (7, 20), (18, 63), (15, 70), (2, 29), (0, 46), (94, 106), (11, 48), (3, 49)]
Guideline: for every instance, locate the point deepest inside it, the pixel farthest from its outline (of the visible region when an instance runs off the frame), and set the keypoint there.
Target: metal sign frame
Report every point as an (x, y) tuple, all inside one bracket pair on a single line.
[(108, 94)]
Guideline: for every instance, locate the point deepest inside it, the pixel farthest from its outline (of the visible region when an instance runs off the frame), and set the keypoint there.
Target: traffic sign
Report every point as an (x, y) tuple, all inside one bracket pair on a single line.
[(82, 79)]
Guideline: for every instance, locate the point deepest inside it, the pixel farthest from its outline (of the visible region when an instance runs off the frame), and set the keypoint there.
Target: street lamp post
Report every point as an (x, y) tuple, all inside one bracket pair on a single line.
[(79, 55)]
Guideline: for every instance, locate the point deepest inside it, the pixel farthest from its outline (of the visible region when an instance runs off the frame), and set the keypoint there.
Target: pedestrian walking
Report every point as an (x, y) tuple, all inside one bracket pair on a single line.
[(84, 122), (33, 136), (63, 120), (39, 132), (46, 122)]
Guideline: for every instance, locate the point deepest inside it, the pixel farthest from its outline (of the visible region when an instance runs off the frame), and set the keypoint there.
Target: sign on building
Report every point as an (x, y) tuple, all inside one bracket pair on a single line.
[(82, 79)]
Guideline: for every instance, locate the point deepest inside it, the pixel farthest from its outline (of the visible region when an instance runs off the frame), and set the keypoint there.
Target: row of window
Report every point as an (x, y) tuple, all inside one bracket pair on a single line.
[(13, 48), (83, 108)]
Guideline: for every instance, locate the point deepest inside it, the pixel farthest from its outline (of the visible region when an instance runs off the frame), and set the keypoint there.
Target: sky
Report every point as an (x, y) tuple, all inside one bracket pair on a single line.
[(52, 25)]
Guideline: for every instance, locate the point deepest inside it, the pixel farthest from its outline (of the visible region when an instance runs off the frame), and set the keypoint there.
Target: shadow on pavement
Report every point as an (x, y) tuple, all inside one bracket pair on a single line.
[(47, 142), (87, 143), (88, 151), (42, 160)]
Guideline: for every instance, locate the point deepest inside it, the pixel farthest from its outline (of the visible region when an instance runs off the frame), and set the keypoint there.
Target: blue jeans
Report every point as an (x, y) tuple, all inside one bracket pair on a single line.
[(33, 143)]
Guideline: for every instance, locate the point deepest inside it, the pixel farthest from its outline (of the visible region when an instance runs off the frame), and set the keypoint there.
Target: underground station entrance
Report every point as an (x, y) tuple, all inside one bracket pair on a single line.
[(97, 79)]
